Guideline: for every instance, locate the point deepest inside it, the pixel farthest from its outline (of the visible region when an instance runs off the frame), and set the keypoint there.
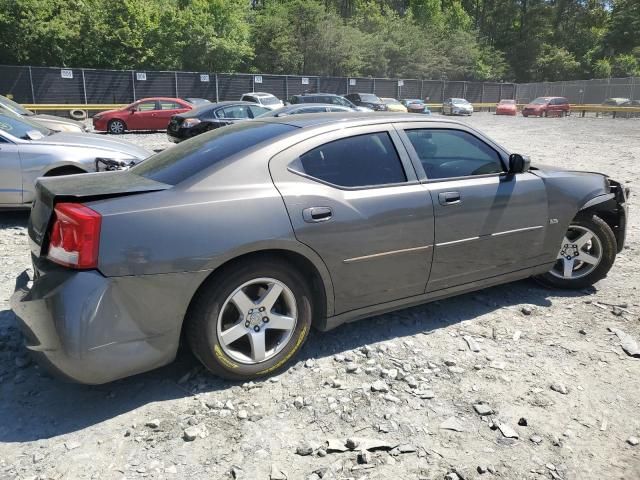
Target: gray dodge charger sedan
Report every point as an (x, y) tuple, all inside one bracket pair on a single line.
[(245, 237)]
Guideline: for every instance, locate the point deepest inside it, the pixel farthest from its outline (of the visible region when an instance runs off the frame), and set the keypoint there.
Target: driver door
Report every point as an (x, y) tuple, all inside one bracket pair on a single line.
[(487, 222)]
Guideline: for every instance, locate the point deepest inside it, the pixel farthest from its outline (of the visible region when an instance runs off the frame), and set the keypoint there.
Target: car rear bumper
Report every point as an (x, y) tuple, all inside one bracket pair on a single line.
[(92, 329)]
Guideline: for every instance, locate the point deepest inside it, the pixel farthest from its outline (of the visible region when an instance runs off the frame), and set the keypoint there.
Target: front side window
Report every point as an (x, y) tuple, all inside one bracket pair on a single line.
[(147, 106), (358, 161), (453, 153)]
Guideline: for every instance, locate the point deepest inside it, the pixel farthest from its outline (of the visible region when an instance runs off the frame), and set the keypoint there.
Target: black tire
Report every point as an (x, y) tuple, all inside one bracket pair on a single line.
[(117, 127), (609, 250), (201, 324)]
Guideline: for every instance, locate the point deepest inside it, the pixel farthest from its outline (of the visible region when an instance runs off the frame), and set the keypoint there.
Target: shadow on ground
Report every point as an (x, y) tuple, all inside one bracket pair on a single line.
[(43, 407)]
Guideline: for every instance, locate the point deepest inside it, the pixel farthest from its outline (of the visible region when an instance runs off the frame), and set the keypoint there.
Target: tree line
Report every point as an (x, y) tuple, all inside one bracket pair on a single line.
[(502, 40)]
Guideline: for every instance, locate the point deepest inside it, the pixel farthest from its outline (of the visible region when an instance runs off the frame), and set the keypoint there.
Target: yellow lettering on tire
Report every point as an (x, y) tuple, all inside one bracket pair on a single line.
[(286, 358), (223, 358)]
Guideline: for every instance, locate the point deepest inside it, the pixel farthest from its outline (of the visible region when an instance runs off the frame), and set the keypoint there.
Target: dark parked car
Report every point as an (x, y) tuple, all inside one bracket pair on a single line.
[(547, 107), (416, 105), (312, 108), (368, 100), (242, 239), (326, 98), (211, 116)]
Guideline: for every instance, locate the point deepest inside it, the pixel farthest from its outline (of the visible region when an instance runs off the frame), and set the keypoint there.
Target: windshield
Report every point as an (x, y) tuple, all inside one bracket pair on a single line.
[(507, 102), (369, 97), (14, 107), (269, 100), (178, 163), (414, 100), (540, 101), (459, 101), (19, 126)]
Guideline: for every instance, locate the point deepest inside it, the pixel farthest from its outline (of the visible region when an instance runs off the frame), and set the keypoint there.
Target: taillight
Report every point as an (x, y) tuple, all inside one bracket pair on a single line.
[(75, 236)]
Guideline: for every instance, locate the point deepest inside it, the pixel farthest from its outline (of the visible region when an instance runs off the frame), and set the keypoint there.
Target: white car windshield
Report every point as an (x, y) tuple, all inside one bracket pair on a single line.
[(460, 101), (19, 127)]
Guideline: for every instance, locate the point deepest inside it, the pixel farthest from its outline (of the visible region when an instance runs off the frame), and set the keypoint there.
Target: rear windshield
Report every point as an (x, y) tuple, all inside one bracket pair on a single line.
[(369, 97), (178, 163), (540, 101)]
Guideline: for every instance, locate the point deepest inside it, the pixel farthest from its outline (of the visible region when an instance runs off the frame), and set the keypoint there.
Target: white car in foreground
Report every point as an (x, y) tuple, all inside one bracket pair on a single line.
[(267, 100)]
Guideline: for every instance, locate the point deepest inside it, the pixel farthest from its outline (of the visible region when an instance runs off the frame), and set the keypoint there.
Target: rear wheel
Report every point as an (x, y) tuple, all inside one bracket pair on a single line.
[(250, 321), (586, 255), (117, 127)]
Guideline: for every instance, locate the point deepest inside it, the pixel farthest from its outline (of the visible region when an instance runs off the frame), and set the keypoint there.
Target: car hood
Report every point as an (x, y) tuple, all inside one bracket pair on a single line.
[(91, 140), (52, 118), (107, 112)]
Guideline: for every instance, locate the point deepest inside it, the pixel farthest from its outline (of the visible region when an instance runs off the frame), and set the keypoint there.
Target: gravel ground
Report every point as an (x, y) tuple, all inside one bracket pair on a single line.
[(549, 393)]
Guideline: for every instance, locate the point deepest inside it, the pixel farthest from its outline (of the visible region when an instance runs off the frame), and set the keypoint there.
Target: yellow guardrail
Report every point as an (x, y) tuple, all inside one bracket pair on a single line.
[(73, 106), (433, 106)]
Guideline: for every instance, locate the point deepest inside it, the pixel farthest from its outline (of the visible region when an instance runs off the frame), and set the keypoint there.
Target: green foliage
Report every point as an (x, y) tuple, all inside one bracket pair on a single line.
[(520, 40)]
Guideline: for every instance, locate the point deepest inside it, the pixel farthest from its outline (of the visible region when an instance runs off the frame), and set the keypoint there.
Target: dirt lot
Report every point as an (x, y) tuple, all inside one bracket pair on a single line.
[(402, 385)]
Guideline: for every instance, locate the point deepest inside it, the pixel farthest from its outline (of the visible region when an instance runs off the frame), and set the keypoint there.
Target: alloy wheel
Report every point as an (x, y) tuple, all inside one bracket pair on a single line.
[(580, 254), (257, 320), (116, 127)]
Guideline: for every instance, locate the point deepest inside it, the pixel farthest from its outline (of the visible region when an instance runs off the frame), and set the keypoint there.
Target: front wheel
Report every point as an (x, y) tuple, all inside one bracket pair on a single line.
[(117, 127), (249, 321), (586, 255)]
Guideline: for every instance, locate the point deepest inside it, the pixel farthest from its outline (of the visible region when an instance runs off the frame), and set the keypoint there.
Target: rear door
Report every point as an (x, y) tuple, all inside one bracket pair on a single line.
[(168, 109), (353, 197), (10, 173), (487, 223)]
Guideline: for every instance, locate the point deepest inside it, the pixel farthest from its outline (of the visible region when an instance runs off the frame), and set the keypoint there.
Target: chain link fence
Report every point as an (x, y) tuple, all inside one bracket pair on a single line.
[(582, 92), (49, 85)]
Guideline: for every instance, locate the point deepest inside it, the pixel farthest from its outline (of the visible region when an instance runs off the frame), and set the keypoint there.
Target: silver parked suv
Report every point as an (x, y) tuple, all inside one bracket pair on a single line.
[(245, 237)]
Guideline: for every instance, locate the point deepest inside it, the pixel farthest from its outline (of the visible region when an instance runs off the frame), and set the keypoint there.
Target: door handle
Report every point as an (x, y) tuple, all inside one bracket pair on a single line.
[(449, 198), (316, 214)]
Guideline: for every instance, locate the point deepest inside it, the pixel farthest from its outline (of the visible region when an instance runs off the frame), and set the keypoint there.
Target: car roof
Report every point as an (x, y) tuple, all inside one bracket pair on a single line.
[(350, 119), (317, 93), (173, 99), (259, 94)]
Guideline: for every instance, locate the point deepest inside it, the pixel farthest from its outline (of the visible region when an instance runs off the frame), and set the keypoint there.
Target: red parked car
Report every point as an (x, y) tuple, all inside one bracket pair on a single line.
[(145, 114), (506, 107), (548, 107)]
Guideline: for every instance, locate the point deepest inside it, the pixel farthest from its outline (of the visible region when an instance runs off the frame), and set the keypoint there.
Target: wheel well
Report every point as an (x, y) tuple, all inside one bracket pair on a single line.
[(66, 170), (295, 260), (609, 212)]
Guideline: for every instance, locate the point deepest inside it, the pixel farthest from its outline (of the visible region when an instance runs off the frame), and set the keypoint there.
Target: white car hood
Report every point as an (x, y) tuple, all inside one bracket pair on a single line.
[(91, 140)]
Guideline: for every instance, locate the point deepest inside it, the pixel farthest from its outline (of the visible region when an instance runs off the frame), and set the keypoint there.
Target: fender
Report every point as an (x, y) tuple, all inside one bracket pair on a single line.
[(597, 200)]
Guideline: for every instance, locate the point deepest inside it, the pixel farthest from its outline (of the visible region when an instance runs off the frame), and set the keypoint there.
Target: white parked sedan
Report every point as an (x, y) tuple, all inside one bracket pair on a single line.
[(29, 150)]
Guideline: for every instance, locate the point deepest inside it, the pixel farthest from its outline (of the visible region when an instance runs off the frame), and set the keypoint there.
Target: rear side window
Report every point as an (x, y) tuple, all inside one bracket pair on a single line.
[(235, 111), (170, 105), (358, 161), (178, 163), (453, 153)]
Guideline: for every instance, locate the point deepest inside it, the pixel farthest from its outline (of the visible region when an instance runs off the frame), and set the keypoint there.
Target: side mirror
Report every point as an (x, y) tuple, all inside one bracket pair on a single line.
[(518, 163)]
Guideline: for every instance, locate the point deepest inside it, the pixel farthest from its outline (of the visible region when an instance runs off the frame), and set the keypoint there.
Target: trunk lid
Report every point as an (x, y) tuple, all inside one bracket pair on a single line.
[(80, 188)]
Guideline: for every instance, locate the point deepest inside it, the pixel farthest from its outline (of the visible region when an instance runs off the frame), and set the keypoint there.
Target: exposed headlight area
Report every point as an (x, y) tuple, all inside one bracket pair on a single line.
[(190, 122)]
